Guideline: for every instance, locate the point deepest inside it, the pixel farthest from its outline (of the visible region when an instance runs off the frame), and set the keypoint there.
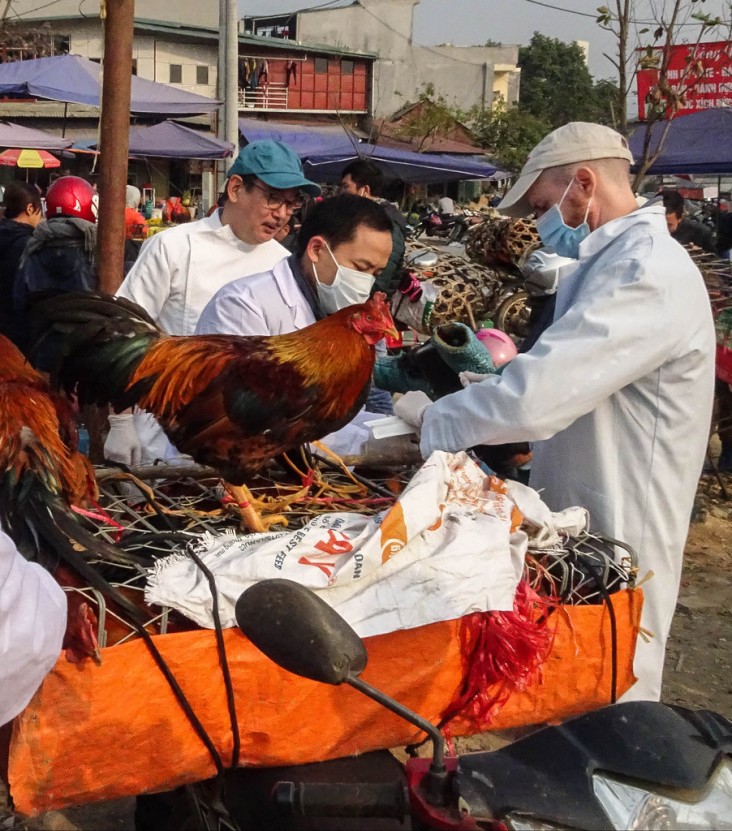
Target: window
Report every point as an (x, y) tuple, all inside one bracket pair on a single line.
[(134, 66), (176, 73), (346, 67), (321, 66), (202, 75)]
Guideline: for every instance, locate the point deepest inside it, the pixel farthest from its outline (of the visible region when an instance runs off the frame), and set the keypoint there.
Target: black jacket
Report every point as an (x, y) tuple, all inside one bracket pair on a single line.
[(13, 237), (60, 255)]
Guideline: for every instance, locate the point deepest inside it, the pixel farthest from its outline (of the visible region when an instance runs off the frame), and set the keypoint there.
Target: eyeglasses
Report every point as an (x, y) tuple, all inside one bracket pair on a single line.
[(275, 201)]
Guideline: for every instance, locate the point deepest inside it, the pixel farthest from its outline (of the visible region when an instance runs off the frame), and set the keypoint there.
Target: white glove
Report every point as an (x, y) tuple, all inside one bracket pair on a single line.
[(468, 378), (411, 406), (123, 444)]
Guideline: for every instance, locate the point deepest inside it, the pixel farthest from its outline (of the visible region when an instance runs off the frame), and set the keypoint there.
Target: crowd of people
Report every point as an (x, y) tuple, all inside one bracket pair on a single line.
[(615, 394)]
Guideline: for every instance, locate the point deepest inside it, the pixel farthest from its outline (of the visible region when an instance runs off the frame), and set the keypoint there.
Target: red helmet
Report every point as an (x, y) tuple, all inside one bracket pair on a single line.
[(71, 196)]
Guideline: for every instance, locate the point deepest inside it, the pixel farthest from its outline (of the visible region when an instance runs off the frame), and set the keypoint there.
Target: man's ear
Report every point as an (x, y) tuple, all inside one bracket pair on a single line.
[(315, 248), (586, 179), (234, 186), (367, 191)]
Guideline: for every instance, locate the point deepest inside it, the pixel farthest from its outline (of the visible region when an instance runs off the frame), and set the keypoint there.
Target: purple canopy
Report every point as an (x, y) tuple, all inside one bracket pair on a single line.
[(174, 141), (697, 143), (76, 80), (13, 135)]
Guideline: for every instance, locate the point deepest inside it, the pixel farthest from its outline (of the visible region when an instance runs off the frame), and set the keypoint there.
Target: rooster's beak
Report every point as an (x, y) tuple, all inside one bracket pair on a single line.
[(392, 333)]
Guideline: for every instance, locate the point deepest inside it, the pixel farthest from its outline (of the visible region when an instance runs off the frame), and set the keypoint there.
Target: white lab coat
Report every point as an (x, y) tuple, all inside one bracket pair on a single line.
[(179, 270), (32, 626), (617, 394), (270, 303), (177, 273), (273, 304)]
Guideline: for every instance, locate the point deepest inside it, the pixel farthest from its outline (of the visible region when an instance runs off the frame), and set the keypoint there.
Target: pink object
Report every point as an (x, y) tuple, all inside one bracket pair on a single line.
[(502, 349)]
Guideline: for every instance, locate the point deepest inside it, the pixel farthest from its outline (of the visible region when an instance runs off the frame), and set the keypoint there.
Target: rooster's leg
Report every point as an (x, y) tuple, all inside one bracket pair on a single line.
[(252, 519)]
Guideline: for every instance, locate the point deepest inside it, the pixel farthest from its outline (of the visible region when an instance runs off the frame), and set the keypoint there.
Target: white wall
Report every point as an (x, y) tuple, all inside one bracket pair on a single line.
[(153, 54), (184, 12)]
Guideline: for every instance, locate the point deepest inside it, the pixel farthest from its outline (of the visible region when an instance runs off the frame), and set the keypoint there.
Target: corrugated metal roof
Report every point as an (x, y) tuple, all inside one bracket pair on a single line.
[(279, 44)]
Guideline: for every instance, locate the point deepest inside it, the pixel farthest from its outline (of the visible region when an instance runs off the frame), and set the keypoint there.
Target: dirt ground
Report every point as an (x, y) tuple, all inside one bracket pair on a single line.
[(698, 659)]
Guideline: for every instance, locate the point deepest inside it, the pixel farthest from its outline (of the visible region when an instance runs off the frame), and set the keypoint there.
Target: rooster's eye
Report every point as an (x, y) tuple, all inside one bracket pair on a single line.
[(369, 318)]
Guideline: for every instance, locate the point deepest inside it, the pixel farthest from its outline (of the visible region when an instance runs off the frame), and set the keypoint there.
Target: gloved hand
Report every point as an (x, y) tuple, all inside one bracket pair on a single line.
[(123, 444), (411, 407), (461, 350), (468, 378)]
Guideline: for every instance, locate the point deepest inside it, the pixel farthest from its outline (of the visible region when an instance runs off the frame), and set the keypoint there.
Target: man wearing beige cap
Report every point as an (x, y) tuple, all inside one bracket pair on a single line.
[(617, 392)]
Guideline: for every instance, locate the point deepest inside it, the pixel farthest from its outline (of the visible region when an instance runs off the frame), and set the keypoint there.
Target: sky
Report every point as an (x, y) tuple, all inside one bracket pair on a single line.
[(468, 22)]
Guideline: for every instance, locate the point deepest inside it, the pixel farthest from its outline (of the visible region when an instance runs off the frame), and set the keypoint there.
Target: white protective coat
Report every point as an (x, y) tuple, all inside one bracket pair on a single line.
[(32, 626), (178, 271), (617, 396), (273, 304)]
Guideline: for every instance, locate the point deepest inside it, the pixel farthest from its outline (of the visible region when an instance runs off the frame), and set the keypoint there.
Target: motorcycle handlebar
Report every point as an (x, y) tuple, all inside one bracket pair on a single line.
[(341, 799)]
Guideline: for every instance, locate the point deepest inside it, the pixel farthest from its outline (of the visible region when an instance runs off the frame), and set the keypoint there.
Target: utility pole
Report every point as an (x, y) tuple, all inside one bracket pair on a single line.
[(231, 102), (115, 125), (228, 79)]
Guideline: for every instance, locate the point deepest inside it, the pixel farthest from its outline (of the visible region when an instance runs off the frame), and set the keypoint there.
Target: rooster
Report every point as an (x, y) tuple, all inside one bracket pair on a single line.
[(42, 474), (230, 402)]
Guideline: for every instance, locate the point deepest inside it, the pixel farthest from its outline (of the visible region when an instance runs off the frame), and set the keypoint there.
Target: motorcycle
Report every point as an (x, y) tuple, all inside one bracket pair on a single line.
[(639, 765), (432, 223)]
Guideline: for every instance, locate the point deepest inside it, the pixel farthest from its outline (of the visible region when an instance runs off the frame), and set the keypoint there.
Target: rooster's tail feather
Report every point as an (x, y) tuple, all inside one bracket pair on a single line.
[(92, 342)]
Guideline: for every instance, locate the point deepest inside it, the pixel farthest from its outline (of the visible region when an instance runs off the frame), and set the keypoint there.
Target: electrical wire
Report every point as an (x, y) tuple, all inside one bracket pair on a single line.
[(595, 16)]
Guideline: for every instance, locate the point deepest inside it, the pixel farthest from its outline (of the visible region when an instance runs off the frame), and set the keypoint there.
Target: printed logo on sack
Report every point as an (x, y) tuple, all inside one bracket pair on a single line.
[(333, 547)]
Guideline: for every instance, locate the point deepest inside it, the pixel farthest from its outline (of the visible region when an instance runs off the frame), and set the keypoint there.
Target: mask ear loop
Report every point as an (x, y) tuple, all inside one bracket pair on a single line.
[(566, 191)]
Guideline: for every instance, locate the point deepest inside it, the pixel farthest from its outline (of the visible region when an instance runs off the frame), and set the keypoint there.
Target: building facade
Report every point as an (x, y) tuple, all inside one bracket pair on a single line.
[(464, 75)]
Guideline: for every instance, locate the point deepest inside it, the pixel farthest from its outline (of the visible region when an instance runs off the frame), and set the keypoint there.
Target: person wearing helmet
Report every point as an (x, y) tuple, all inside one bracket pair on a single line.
[(180, 269), (61, 252), (616, 393)]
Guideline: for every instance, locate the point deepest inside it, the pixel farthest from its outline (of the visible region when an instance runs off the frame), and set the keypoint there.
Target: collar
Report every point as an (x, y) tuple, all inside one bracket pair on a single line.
[(306, 288), (651, 216)]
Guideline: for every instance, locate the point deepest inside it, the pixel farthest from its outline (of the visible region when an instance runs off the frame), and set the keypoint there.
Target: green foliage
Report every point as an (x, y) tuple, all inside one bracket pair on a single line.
[(435, 118), (556, 85), (508, 134)]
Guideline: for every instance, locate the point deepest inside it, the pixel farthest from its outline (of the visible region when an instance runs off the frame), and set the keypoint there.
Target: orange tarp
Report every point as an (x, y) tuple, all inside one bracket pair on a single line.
[(103, 732)]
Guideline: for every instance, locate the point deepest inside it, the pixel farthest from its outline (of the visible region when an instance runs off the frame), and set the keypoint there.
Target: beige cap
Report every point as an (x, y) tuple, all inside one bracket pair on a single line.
[(578, 141)]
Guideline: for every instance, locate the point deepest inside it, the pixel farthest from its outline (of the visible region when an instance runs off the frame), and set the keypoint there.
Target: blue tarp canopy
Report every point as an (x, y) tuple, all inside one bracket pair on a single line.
[(76, 80), (174, 141), (414, 168), (326, 150), (305, 139), (697, 143), (13, 135)]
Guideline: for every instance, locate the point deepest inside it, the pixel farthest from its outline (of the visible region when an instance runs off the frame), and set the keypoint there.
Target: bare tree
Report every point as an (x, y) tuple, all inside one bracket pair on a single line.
[(654, 50), (18, 44)]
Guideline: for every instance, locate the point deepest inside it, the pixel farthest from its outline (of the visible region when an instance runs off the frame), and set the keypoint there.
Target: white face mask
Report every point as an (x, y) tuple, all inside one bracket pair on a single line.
[(348, 287)]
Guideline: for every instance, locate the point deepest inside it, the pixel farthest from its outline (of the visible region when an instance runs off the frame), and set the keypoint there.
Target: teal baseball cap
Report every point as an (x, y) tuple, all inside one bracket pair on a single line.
[(275, 164)]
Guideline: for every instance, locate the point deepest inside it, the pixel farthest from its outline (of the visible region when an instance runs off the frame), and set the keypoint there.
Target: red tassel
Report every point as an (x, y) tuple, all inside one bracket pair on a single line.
[(503, 652)]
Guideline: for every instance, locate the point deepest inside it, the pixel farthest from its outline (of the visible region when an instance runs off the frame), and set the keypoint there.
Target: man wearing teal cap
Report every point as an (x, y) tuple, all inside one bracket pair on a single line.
[(180, 269)]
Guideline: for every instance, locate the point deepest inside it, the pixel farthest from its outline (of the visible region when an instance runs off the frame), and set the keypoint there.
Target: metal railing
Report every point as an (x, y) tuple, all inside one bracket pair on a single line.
[(266, 97)]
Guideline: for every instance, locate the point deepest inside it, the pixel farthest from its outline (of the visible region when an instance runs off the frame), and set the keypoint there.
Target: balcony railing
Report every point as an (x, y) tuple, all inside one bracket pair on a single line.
[(267, 97)]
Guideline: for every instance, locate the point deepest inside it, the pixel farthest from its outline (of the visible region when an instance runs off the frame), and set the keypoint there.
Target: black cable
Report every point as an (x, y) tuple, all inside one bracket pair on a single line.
[(223, 660), (613, 629)]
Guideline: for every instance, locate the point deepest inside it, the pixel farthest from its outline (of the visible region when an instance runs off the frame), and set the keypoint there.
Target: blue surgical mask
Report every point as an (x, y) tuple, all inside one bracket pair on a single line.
[(555, 233)]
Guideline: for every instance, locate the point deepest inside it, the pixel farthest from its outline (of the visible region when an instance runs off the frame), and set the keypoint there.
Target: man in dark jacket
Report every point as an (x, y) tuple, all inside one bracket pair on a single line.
[(683, 229), (61, 252), (22, 204)]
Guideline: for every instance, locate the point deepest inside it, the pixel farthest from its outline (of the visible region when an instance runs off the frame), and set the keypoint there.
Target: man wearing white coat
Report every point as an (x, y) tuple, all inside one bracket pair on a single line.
[(343, 244), (617, 391), (179, 270)]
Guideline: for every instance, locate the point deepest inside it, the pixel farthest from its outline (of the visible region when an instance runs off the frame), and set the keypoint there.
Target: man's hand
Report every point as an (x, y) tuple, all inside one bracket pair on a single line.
[(411, 406), (123, 444)]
